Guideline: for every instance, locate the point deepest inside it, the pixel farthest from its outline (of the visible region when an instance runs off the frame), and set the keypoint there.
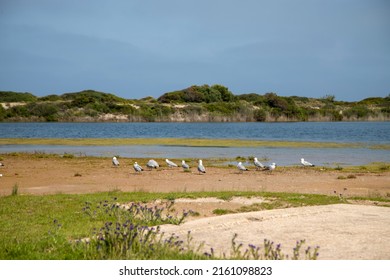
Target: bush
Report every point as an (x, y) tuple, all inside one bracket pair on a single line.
[(358, 111), (254, 98), (223, 108), (43, 110), (152, 112), (17, 111), (51, 97), (260, 115), (10, 96), (275, 101), (199, 94), (169, 97)]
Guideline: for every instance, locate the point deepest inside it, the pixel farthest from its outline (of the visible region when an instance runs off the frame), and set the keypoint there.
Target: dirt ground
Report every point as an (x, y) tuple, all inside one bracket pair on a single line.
[(84, 175), (341, 231)]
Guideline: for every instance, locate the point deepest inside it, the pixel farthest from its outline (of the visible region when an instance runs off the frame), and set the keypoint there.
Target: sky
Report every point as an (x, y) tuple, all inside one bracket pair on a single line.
[(140, 48)]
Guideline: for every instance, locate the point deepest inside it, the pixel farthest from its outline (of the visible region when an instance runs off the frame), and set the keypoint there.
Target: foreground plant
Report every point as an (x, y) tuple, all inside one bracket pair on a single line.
[(130, 241), (136, 212), (132, 231), (270, 251)]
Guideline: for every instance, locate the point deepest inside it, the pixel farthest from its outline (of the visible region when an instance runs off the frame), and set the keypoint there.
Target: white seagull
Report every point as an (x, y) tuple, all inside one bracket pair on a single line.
[(170, 163), (257, 163), (115, 162), (137, 167), (201, 168), (306, 163), (271, 167), (185, 165), (152, 164), (241, 167)]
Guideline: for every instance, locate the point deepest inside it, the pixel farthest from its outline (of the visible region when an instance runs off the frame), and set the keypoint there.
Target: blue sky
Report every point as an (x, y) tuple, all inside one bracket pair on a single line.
[(139, 48)]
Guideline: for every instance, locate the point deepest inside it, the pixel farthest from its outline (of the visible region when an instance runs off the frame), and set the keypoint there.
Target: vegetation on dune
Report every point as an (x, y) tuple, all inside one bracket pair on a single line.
[(195, 104), (10, 96)]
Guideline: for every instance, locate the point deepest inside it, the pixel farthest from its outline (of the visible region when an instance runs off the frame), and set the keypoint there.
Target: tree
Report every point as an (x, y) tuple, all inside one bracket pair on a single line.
[(226, 95), (260, 115), (330, 98)]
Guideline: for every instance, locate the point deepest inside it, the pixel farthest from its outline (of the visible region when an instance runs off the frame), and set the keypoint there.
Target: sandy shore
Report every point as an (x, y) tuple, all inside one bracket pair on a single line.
[(83, 175)]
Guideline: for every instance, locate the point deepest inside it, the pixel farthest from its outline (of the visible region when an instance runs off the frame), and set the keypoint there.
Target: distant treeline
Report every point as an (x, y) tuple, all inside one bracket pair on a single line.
[(194, 104)]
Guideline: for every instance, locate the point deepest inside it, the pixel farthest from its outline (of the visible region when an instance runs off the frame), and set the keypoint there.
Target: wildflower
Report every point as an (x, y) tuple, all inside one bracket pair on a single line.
[(252, 246)]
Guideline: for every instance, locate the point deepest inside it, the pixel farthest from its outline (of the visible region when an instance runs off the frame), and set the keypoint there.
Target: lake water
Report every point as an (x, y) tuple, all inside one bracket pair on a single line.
[(344, 132)]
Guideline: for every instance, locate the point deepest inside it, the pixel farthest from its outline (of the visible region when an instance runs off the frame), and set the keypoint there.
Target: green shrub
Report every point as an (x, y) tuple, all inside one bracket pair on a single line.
[(359, 112), (10, 96), (199, 94)]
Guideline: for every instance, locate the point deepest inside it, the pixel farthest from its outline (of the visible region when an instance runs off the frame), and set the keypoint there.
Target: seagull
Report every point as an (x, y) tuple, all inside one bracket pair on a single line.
[(170, 163), (201, 168), (137, 167), (1, 164), (271, 167), (241, 167), (152, 164), (258, 164), (115, 162), (185, 165), (306, 163)]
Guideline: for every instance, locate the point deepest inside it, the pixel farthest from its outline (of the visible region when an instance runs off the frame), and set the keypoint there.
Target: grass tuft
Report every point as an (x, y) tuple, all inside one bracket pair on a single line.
[(220, 211), (15, 190)]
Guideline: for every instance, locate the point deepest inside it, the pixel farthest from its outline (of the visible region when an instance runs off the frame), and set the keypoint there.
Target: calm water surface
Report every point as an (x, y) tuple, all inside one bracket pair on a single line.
[(377, 132), (345, 132)]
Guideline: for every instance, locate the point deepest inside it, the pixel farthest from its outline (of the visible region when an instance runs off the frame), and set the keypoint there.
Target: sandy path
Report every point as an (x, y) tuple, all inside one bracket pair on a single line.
[(342, 231)]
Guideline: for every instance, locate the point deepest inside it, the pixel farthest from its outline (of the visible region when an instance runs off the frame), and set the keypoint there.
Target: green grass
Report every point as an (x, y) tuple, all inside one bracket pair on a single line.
[(374, 167), (45, 227), (220, 211), (182, 142)]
